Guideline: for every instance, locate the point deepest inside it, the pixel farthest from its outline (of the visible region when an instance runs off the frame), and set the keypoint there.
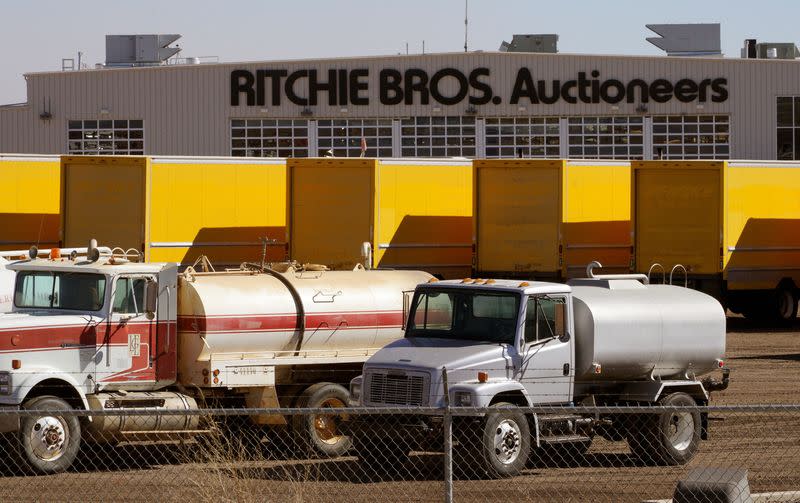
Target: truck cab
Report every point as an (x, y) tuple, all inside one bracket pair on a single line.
[(81, 326), (496, 339)]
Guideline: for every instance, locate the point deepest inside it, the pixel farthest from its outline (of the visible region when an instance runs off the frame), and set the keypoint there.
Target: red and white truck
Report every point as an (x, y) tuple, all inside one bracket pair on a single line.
[(104, 332)]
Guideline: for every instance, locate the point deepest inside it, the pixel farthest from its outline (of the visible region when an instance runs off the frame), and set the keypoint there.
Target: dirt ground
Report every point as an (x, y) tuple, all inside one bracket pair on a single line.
[(765, 367)]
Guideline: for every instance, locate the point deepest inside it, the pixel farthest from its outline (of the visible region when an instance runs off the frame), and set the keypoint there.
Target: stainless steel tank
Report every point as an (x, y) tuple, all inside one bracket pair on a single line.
[(626, 330)]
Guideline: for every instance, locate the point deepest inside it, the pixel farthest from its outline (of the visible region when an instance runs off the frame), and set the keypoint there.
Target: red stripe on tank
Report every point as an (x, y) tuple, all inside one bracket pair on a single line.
[(288, 322)]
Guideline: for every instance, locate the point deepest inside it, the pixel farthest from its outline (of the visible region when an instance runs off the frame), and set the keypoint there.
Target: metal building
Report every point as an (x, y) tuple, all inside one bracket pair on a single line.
[(480, 104)]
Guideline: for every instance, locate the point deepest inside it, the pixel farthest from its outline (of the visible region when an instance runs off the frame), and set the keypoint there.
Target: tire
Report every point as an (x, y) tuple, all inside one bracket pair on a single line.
[(320, 432), (48, 442), (668, 438), (770, 306), (504, 445), (785, 304)]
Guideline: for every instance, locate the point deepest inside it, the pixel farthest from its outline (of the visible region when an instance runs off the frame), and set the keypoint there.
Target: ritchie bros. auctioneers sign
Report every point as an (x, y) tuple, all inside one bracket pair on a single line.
[(449, 86)]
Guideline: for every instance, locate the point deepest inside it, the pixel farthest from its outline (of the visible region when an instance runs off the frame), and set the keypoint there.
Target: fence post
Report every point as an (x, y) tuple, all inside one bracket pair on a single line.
[(448, 441)]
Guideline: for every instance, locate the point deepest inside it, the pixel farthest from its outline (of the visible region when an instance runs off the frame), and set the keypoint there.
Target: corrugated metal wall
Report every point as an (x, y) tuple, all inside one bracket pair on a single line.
[(187, 109)]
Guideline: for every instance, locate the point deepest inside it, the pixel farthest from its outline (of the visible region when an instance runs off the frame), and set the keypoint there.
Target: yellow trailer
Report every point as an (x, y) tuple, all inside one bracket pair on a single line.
[(733, 226), (176, 208), (413, 213), (550, 218), (29, 201)]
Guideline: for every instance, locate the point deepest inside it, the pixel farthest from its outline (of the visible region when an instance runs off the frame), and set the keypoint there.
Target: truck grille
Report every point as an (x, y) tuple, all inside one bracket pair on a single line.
[(393, 389)]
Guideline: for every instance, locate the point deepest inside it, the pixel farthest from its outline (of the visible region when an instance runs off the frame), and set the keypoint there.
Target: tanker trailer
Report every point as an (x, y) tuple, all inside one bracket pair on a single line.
[(502, 344), (108, 333)]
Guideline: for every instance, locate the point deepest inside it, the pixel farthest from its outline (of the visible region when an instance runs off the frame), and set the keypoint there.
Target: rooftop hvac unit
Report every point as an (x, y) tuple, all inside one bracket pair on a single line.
[(139, 50), (542, 43), (769, 50)]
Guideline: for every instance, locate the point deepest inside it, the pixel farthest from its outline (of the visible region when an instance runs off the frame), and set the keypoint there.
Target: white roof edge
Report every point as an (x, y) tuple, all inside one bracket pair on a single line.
[(597, 162), (763, 164), (417, 161), (30, 157), (564, 55), (158, 159)]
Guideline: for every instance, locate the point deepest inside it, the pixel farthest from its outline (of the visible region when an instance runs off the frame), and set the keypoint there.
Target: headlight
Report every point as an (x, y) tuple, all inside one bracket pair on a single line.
[(463, 399), (5, 383), (355, 389)]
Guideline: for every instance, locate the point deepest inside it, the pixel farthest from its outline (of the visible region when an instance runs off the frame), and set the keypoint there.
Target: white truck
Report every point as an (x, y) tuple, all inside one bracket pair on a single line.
[(104, 332), (605, 340)]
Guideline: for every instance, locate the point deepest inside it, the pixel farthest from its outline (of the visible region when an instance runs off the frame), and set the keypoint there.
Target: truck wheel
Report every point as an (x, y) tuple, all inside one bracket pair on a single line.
[(321, 431), (49, 442), (504, 445), (669, 438)]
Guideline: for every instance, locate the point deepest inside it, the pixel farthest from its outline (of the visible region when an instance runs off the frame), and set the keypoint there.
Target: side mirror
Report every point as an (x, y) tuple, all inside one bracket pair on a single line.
[(561, 322), (151, 299)]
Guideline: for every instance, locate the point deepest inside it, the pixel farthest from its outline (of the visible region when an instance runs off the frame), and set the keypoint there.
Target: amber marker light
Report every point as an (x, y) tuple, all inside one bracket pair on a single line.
[(483, 376), (16, 364)]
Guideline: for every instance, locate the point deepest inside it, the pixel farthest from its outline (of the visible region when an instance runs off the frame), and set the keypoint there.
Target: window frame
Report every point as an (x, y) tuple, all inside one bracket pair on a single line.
[(268, 130), (670, 134), (439, 136), (112, 307), (523, 138), (88, 137), (557, 299), (103, 298)]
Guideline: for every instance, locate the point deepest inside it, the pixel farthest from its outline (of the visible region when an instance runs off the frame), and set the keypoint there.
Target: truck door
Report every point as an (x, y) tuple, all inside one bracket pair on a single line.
[(546, 366), (129, 344)]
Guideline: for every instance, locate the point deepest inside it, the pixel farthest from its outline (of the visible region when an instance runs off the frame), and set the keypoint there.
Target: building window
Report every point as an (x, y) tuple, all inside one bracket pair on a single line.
[(451, 136), (535, 137), (343, 137), (691, 137), (788, 128), (105, 137), (269, 138), (606, 137)]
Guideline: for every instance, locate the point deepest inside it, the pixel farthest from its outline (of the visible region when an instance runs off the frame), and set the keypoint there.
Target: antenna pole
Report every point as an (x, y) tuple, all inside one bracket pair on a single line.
[(466, 17)]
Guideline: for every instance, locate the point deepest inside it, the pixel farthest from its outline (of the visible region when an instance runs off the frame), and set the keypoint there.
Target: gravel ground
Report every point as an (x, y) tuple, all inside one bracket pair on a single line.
[(765, 370)]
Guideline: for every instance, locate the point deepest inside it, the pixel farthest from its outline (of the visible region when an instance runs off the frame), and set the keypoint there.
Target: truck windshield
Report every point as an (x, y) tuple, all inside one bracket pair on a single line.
[(60, 290), (478, 316)]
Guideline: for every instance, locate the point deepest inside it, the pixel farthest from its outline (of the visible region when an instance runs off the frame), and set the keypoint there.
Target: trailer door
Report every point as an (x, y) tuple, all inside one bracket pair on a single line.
[(678, 219)]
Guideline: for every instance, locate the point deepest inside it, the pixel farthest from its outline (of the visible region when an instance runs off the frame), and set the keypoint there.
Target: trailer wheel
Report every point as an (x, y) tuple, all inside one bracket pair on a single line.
[(504, 444), (668, 438), (785, 303), (321, 432), (48, 441)]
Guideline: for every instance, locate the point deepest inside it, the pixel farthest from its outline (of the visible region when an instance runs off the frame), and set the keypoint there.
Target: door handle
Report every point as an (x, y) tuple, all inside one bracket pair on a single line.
[(566, 369)]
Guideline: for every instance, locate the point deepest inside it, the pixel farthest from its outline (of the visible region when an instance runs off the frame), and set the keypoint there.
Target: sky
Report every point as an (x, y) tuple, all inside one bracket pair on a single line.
[(36, 34)]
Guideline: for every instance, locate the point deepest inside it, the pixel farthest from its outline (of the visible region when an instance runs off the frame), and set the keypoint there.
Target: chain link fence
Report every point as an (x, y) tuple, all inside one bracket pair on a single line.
[(406, 454)]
